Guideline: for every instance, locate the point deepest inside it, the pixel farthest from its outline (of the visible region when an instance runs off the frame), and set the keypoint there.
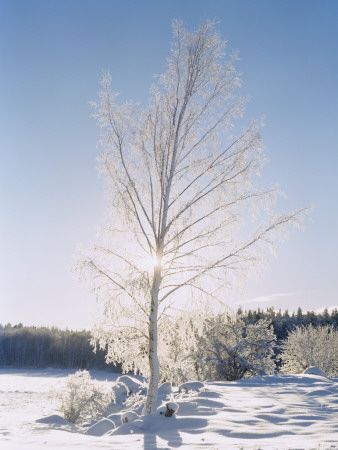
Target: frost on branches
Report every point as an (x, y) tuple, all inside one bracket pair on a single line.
[(83, 398), (179, 184), (177, 346), (230, 350), (311, 346)]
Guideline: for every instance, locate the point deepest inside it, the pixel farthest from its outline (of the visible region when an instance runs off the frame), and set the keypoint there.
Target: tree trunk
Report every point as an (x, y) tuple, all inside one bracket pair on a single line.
[(150, 405)]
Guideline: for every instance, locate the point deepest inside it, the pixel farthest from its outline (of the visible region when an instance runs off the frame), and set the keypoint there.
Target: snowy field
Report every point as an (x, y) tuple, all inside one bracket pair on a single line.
[(269, 412)]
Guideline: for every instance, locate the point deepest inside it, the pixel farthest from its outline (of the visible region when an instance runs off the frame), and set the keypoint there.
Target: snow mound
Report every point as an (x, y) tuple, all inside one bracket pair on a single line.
[(194, 386), (313, 370), (161, 410), (102, 427), (120, 392), (288, 411), (129, 416), (54, 419), (133, 384), (165, 389), (116, 418), (167, 409)]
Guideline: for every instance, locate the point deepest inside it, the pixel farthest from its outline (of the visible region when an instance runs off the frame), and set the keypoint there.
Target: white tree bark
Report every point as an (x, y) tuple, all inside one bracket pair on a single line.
[(150, 404)]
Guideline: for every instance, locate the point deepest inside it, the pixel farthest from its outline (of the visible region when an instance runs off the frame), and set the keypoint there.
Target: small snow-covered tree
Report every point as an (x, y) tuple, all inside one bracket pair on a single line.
[(231, 350), (179, 180), (311, 346), (83, 398)]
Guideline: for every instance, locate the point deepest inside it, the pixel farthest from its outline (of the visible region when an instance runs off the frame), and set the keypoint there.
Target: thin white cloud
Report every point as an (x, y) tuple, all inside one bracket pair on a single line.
[(330, 309), (268, 298)]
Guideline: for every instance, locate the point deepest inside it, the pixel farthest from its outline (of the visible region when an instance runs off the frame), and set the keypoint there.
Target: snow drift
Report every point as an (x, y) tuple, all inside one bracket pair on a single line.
[(275, 412)]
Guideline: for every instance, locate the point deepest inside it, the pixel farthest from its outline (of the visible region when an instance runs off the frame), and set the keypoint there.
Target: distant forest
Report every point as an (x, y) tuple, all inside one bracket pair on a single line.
[(37, 347), (283, 322)]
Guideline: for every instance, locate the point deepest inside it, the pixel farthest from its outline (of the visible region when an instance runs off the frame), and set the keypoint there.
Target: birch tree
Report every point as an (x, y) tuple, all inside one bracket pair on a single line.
[(179, 180)]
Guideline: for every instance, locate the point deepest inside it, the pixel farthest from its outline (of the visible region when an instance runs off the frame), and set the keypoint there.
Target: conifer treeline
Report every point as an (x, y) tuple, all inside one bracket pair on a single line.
[(283, 322), (22, 346)]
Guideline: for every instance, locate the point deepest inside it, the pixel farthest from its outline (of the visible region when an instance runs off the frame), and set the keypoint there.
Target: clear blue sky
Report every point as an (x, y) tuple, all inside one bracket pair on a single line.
[(52, 53)]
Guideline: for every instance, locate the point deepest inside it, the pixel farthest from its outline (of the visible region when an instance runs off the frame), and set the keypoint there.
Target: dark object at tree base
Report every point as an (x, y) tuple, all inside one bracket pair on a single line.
[(169, 412)]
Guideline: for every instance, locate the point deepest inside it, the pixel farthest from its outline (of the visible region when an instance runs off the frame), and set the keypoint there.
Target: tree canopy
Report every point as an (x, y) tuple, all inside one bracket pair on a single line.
[(180, 184)]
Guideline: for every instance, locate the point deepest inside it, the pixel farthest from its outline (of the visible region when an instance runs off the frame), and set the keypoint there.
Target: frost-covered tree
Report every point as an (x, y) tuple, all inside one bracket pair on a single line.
[(179, 342), (179, 180), (311, 346), (230, 350)]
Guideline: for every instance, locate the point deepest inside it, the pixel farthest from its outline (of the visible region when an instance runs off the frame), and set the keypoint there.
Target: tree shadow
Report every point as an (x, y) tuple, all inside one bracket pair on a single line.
[(149, 441), (171, 433)]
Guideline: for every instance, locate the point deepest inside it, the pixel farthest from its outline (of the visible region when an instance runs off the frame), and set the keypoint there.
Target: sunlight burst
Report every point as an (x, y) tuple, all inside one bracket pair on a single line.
[(156, 261)]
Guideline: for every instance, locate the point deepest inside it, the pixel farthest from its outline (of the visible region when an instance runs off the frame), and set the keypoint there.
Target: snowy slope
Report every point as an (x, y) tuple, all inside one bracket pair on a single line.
[(275, 412)]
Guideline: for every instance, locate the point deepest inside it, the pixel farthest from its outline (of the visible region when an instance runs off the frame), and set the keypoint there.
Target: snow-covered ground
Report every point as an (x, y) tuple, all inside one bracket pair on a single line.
[(275, 412)]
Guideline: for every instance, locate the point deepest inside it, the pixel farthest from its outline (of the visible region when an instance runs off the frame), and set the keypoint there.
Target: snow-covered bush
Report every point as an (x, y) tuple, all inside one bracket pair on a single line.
[(83, 398), (313, 370), (202, 344), (132, 384), (311, 346), (192, 386), (135, 401), (165, 388), (230, 350), (101, 427), (129, 416)]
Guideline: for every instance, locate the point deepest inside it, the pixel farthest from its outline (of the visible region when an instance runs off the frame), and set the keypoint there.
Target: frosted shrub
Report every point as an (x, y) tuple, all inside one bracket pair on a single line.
[(135, 400), (230, 350), (83, 398), (310, 346), (208, 345)]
